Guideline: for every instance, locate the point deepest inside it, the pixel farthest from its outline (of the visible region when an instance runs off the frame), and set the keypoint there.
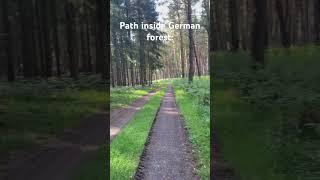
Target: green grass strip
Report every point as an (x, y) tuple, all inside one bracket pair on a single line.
[(127, 147), (93, 169), (197, 121)]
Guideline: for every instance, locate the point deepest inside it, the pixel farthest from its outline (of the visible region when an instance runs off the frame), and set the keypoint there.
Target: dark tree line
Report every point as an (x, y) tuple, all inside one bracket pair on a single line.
[(239, 23), (53, 38)]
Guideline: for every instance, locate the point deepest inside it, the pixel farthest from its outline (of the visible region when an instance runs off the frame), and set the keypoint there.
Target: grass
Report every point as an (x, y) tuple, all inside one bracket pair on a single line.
[(33, 112), (192, 102), (245, 135), (126, 148), (93, 169), (122, 96), (288, 86)]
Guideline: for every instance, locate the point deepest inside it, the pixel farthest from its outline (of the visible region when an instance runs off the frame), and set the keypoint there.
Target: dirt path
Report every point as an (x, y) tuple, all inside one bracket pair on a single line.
[(122, 116), (167, 154), (58, 160)]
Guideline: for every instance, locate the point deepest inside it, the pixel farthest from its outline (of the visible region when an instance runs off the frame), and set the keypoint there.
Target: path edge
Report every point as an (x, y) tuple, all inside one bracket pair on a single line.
[(139, 170)]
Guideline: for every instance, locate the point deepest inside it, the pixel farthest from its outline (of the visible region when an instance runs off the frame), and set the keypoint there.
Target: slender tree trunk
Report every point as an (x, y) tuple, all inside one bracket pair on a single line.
[(102, 38), (259, 32), (197, 60), (317, 21), (191, 48), (46, 37), (141, 48), (28, 52), (8, 41), (283, 18), (56, 36), (71, 40), (182, 57), (89, 63), (233, 15)]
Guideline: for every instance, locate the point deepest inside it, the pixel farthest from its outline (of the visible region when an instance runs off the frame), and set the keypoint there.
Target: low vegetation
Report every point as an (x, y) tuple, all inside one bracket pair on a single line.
[(288, 87), (127, 147), (124, 95), (32, 111), (193, 102)]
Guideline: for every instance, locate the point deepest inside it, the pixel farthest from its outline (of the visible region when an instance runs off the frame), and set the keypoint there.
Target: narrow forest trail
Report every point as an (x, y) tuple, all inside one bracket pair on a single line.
[(167, 154), (60, 158), (120, 117)]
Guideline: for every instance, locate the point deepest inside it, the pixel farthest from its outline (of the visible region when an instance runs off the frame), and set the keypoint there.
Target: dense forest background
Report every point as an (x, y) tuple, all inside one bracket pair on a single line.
[(136, 61), (264, 57), (43, 39)]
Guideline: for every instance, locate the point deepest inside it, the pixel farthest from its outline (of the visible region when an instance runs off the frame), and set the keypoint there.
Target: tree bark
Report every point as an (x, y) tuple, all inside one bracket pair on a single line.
[(28, 53), (259, 33), (71, 40), (55, 36), (8, 41), (182, 57), (283, 18), (102, 39), (233, 15), (317, 21), (191, 48), (46, 37)]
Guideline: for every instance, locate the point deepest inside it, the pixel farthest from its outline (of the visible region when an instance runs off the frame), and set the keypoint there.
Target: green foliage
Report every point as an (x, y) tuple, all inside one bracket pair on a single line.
[(32, 111), (95, 169), (127, 147), (193, 102), (244, 135), (122, 96), (289, 85)]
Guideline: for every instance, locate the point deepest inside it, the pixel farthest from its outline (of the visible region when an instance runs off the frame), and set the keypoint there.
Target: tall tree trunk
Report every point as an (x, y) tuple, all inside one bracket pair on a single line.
[(317, 21), (197, 60), (71, 40), (282, 11), (141, 37), (102, 38), (233, 15), (46, 36), (8, 41), (28, 52), (191, 48), (89, 63), (55, 36), (182, 57), (259, 32)]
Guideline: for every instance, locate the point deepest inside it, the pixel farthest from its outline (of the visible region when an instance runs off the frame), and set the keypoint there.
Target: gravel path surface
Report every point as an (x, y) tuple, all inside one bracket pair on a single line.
[(167, 155)]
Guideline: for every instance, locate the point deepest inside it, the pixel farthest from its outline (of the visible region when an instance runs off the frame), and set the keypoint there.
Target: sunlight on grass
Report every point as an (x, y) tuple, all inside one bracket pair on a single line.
[(122, 96), (192, 102), (127, 147)]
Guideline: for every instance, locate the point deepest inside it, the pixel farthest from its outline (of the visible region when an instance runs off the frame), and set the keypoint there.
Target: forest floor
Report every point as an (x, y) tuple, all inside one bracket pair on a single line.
[(167, 154), (48, 126), (59, 158)]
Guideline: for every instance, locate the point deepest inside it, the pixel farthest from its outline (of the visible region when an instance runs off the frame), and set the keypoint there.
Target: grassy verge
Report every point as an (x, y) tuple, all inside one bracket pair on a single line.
[(127, 147), (192, 102), (245, 134), (122, 96), (32, 112), (93, 169)]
